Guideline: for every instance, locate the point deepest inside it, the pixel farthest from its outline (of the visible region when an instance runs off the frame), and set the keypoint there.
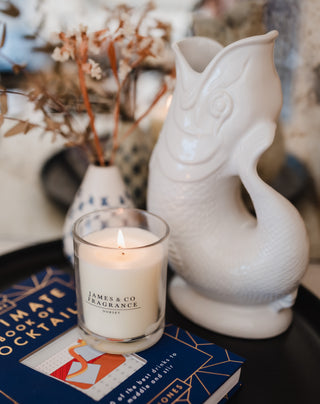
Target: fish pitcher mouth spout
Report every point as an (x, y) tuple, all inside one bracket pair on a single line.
[(203, 62), (206, 50), (217, 98), (198, 52)]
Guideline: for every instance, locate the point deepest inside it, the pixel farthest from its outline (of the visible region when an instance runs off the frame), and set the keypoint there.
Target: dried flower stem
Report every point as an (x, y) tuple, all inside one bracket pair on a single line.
[(15, 92), (115, 144), (125, 46), (87, 104), (113, 63), (160, 93)]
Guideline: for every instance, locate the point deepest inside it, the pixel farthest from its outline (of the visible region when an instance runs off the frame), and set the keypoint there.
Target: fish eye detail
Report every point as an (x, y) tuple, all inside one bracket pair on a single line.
[(221, 105)]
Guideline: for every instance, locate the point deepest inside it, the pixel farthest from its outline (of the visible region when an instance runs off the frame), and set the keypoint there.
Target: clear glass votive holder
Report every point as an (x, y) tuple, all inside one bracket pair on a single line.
[(121, 258)]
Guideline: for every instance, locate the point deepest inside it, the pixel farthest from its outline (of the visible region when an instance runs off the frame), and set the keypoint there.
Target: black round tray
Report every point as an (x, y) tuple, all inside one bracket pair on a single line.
[(62, 173), (284, 369)]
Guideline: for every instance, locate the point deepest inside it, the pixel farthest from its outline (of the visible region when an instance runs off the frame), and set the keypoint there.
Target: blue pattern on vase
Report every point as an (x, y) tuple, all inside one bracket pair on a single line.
[(101, 187), (104, 201)]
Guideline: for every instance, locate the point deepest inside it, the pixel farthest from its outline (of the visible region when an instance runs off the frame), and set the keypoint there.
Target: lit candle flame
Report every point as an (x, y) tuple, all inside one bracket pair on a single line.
[(120, 240)]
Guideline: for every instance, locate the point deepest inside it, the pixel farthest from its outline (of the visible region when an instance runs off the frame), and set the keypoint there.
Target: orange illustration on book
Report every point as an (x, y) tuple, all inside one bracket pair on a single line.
[(84, 365), (88, 366)]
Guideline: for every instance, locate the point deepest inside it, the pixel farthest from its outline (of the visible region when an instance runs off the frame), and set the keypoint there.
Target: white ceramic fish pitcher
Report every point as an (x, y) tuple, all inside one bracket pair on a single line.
[(237, 273)]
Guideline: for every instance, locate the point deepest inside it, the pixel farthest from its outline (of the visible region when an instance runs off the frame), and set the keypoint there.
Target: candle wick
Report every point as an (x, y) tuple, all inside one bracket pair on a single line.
[(122, 253)]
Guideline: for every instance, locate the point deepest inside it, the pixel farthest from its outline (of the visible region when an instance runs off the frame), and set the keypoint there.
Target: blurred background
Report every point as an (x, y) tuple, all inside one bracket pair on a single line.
[(38, 177)]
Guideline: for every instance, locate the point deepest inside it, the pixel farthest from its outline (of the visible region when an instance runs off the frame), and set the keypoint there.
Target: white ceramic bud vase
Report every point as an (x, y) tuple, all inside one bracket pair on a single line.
[(101, 187), (237, 274)]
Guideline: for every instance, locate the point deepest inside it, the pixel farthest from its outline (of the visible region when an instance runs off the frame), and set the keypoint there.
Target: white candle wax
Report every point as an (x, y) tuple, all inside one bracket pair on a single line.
[(120, 287)]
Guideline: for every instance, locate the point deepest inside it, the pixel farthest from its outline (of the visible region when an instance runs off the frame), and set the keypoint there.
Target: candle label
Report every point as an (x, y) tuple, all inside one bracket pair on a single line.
[(122, 290), (114, 304), (120, 303)]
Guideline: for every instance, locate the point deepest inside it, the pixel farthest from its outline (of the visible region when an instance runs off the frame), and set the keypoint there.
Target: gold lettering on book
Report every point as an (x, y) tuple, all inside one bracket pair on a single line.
[(22, 328), (171, 393), (32, 334), (57, 293), (43, 314), (41, 325), (19, 315), (20, 343), (5, 350), (45, 298), (35, 306), (55, 321)]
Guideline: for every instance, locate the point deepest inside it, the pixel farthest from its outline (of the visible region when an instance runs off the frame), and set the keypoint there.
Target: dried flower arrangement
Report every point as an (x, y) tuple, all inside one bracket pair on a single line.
[(118, 53)]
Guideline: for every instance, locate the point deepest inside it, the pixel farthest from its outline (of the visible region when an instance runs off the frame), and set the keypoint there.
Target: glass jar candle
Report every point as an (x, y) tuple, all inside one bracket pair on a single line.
[(121, 258)]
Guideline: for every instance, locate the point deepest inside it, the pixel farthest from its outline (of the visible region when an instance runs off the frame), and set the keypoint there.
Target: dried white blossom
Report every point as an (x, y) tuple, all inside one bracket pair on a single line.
[(73, 32), (145, 42), (83, 28), (170, 82), (127, 52), (157, 47), (128, 29), (95, 69), (62, 54), (124, 69), (94, 44)]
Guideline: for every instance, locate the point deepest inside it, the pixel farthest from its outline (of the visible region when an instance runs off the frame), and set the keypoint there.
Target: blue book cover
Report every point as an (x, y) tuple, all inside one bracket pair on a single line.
[(43, 359)]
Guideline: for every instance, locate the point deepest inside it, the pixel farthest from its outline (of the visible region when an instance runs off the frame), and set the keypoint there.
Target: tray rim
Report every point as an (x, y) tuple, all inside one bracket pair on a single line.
[(306, 315), (307, 304)]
